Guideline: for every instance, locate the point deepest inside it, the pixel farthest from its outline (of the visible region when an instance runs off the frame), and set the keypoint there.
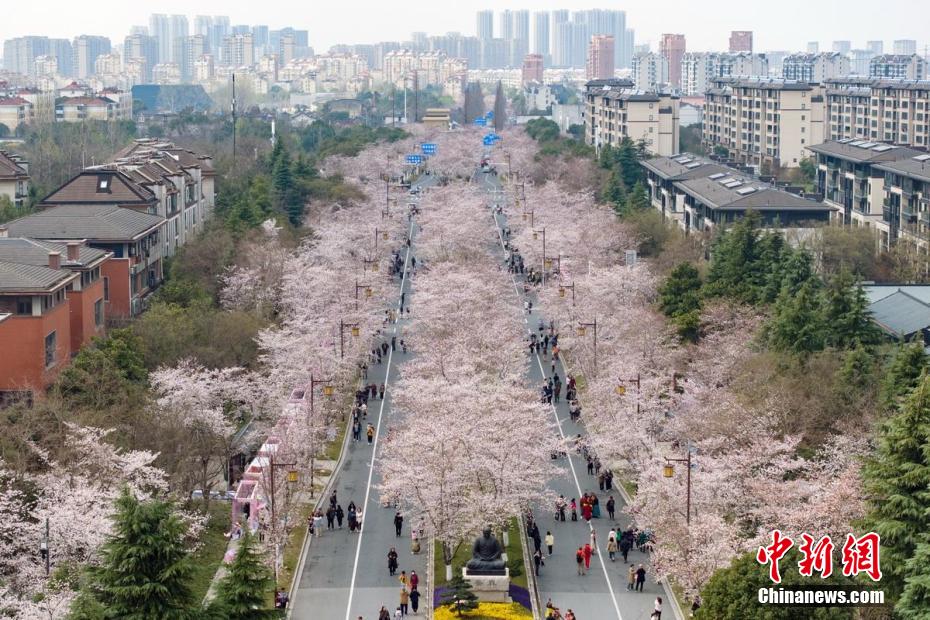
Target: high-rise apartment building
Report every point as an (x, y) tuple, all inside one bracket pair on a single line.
[(62, 50), (905, 47), (876, 47), (815, 68), (505, 24), (741, 41), (19, 54), (541, 34), (562, 44), (859, 61), (239, 50), (650, 71), (699, 68), (108, 64), (188, 50), (600, 65), (672, 46), (532, 68), (165, 29), (520, 44), (910, 67), (842, 47), (813, 47), (485, 29), (87, 49), (142, 51)]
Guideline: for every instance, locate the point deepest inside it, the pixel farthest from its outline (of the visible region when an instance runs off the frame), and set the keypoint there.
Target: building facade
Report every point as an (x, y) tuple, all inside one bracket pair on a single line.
[(600, 65), (815, 68), (672, 47), (615, 110), (898, 66), (14, 178), (741, 41), (650, 71)]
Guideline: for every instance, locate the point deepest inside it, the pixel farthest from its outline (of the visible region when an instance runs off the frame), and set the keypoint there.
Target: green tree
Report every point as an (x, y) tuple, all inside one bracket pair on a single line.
[(734, 259), (797, 323), (628, 162), (732, 592), (243, 592), (614, 191), (458, 596), (145, 569), (808, 170), (637, 200), (915, 600), (896, 481), (908, 363), (543, 130), (846, 314), (283, 189), (500, 108), (681, 291)]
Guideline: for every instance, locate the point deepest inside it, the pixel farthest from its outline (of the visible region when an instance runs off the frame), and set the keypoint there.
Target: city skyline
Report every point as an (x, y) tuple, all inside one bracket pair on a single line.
[(329, 26)]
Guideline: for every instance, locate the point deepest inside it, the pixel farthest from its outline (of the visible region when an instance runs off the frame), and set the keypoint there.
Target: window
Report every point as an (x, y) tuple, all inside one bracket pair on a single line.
[(103, 184), (98, 313), (24, 305), (51, 342), (106, 288)]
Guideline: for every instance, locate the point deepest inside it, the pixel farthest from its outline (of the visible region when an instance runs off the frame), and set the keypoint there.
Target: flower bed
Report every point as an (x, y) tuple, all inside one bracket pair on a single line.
[(487, 611)]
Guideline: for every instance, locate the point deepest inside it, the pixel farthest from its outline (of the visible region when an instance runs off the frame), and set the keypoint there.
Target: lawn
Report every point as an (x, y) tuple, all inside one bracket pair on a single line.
[(209, 555)]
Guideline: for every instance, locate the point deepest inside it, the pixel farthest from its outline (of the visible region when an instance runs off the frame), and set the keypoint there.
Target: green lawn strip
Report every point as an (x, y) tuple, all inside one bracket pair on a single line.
[(515, 555), (209, 555)]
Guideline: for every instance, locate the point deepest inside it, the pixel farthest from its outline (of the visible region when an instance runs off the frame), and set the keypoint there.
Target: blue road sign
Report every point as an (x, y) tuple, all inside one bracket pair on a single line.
[(490, 114), (414, 159), (428, 148), (481, 122)]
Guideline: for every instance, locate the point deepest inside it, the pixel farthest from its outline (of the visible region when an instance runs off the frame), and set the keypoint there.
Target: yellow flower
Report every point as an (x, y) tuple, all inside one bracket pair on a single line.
[(488, 611)]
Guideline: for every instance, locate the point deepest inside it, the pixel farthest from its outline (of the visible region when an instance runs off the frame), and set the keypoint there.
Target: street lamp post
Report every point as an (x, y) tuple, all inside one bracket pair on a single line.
[(621, 388), (669, 470), (370, 261), (291, 477), (565, 287), (582, 330), (327, 391), (364, 287), (543, 233), (44, 551), (342, 330), (384, 235), (530, 213)]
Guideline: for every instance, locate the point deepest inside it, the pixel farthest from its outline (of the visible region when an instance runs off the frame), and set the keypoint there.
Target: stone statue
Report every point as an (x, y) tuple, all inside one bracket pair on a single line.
[(486, 556)]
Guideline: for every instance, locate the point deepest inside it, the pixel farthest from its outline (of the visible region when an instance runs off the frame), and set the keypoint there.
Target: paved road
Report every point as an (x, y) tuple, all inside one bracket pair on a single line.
[(601, 593), (345, 575)]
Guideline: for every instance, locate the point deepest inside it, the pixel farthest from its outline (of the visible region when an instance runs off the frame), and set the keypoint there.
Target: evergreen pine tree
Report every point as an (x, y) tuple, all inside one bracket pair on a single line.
[(615, 192), (915, 600), (145, 569), (459, 596), (628, 162), (680, 293), (637, 200), (245, 590), (846, 312), (896, 481), (733, 259), (797, 322), (910, 361), (500, 108)]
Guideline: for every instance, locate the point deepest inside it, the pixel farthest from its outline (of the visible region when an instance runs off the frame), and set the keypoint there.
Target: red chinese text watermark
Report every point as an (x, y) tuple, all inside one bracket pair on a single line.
[(859, 555)]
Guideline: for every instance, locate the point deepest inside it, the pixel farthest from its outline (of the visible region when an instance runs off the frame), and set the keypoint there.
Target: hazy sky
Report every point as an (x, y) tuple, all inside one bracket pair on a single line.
[(778, 25)]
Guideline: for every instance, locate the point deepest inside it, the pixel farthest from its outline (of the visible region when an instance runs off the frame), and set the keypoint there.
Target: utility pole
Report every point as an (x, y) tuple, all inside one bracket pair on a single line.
[(393, 105), (416, 96), (234, 116)]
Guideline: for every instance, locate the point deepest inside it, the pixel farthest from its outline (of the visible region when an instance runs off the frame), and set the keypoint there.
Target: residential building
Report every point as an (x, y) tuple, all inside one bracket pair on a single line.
[(901, 311), (46, 66), (876, 47), (485, 28), (895, 111), (20, 53), (650, 71), (859, 61), (701, 196), (904, 47), (741, 41), (672, 47), (813, 47), (48, 308), (238, 50), (166, 73), (135, 269), (698, 68), (188, 51), (87, 49), (15, 111), (14, 177), (84, 108), (166, 29), (842, 47), (541, 34), (615, 109), (906, 207), (815, 68), (600, 65), (520, 45), (204, 70), (108, 64), (763, 122), (562, 44), (850, 181), (909, 67), (532, 68), (141, 51)]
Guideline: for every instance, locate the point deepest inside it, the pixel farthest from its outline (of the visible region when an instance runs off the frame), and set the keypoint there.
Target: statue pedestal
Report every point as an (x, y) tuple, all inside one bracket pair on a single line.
[(490, 588)]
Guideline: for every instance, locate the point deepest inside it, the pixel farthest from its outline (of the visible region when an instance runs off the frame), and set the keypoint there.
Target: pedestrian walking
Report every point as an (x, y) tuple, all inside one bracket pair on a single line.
[(611, 548), (381, 392), (631, 578), (340, 515), (640, 578), (370, 433), (392, 561), (574, 508), (394, 341), (657, 609), (570, 615), (404, 601), (414, 580), (384, 614), (404, 580), (550, 541), (356, 430), (414, 600), (611, 506), (330, 518), (579, 560), (384, 348), (398, 522), (625, 546), (588, 552)]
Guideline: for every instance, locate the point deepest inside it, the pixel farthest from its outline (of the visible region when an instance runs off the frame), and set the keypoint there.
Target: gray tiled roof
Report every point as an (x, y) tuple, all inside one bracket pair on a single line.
[(858, 154), (901, 314), (909, 167), (33, 252), (670, 169), (765, 197), (91, 222), (15, 277)]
